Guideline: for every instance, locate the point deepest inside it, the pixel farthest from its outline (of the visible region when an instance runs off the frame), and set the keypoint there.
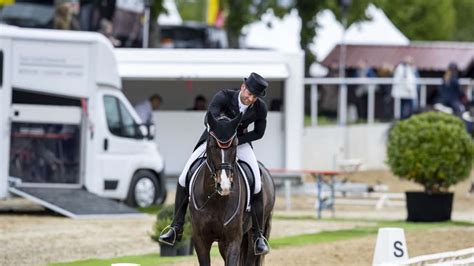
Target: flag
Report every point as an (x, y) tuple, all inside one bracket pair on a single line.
[(212, 11)]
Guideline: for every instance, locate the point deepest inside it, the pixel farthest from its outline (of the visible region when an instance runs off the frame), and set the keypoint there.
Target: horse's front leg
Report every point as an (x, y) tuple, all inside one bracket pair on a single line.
[(203, 249), (232, 257)]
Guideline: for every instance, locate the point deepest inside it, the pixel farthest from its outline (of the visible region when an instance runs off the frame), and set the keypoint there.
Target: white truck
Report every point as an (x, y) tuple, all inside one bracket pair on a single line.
[(67, 132)]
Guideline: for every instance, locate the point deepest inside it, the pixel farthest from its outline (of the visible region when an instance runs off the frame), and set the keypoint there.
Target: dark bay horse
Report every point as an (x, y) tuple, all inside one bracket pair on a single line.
[(218, 201)]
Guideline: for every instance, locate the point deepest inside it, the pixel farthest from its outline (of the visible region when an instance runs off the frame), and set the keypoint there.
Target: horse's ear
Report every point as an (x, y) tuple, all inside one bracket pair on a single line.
[(211, 121), (235, 122)]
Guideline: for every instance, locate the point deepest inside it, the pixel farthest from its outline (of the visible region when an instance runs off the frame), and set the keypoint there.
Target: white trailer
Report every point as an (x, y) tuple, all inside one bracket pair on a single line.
[(179, 75), (68, 133)]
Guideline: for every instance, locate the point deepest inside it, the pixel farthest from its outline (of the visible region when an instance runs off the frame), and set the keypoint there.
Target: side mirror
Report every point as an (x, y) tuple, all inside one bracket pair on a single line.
[(147, 131)]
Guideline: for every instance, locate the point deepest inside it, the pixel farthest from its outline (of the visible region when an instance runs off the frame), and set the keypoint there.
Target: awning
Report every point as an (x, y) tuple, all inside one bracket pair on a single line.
[(210, 64), (202, 71)]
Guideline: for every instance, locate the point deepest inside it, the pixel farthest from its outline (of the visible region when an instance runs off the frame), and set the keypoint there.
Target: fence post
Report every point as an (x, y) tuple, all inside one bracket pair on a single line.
[(342, 112), (371, 104), (396, 108), (314, 104), (423, 96), (287, 183)]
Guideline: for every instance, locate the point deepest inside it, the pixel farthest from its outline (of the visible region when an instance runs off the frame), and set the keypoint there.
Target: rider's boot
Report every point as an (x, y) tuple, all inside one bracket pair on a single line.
[(174, 232), (260, 243)]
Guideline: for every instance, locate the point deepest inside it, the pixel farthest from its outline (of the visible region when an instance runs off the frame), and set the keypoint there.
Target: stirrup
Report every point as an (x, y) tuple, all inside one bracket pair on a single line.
[(175, 235), (255, 245)]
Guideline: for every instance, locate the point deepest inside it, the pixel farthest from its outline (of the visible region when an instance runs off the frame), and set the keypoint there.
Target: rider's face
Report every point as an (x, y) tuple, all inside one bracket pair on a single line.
[(246, 96)]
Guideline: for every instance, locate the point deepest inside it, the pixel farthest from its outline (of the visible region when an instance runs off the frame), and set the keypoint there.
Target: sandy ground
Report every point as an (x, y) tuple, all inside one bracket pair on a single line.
[(37, 237), (360, 251)]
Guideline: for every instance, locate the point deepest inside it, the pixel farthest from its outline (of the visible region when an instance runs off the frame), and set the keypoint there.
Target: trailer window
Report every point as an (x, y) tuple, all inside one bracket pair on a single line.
[(119, 120)]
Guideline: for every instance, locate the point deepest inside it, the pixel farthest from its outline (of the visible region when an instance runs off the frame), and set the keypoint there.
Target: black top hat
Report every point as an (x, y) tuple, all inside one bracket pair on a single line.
[(256, 84)]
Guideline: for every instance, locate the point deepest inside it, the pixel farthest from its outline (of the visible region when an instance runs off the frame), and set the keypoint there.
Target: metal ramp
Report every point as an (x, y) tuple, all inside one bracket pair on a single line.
[(75, 203)]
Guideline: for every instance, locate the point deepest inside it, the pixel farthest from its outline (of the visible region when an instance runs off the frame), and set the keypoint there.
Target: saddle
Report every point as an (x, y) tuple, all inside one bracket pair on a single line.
[(243, 168)]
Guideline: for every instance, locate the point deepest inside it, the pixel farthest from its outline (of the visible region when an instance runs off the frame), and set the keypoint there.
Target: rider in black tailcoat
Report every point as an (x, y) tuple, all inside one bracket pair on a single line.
[(231, 102)]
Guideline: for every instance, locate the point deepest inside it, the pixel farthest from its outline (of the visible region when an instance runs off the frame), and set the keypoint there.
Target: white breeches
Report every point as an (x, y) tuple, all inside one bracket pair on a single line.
[(244, 153)]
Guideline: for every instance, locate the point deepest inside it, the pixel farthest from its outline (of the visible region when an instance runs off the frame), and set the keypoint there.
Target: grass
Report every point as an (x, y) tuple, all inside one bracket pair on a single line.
[(322, 120), (153, 209), (144, 260), (298, 240)]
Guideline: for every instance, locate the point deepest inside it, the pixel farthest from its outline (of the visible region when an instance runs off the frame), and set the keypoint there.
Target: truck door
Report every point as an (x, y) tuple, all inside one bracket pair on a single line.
[(45, 145), (121, 140)]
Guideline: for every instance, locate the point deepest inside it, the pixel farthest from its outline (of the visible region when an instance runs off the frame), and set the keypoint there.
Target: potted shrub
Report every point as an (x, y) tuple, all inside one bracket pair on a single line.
[(434, 150), (163, 219)]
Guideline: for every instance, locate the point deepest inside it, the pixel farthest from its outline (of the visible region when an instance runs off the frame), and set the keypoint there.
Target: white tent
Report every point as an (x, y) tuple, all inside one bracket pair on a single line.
[(272, 32), (172, 17)]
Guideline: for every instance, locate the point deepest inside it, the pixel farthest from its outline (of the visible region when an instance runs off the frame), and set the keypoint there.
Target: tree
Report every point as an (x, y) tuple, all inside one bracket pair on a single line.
[(156, 9), (421, 19), (464, 30), (241, 13)]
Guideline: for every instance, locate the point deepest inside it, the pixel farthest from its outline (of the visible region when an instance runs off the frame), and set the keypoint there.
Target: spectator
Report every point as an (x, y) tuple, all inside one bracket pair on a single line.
[(106, 28), (386, 101), (66, 15), (404, 90), (89, 14), (127, 23), (200, 104), (145, 108), (468, 118), (361, 92), (450, 92)]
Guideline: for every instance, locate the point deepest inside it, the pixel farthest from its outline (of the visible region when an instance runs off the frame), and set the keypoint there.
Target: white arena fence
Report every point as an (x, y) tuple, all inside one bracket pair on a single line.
[(372, 84), (459, 257)]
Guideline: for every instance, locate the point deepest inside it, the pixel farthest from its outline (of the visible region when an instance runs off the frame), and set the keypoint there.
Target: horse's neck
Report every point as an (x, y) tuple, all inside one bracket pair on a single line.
[(209, 186)]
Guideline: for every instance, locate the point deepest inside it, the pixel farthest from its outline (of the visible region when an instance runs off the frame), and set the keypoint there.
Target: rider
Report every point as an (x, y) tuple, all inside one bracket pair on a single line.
[(231, 102)]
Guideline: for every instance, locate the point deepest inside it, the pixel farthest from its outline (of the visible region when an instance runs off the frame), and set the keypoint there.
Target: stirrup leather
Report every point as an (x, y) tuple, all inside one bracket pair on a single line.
[(255, 244), (175, 235)]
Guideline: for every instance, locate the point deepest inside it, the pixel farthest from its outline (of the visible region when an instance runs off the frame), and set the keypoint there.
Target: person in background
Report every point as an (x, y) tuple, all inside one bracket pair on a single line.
[(145, 108), (106, 28), (361, 91), (450, 93), (404, 90), (386, 101), (200, 104)]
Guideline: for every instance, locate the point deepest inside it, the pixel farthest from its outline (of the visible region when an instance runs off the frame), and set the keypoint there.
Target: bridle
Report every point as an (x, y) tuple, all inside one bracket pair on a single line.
[(222, 166), (213, 168)]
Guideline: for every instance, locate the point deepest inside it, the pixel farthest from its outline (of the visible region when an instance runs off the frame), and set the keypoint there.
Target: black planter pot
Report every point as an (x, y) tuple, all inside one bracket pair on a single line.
[(185, 248), (429, 207), (168, 251)]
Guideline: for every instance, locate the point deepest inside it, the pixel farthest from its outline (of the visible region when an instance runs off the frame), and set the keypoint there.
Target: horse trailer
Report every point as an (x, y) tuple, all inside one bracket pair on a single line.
[(69, 136)]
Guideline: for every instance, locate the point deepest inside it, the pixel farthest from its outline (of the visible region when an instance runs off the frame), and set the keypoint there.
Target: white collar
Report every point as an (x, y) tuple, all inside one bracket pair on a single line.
[(242, 106)]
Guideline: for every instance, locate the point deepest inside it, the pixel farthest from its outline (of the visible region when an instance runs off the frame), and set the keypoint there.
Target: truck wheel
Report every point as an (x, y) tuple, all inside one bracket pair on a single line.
[(143, 190)]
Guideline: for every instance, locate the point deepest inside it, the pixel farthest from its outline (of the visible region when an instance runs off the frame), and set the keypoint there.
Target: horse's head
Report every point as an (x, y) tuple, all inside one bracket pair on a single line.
[(222, 151)]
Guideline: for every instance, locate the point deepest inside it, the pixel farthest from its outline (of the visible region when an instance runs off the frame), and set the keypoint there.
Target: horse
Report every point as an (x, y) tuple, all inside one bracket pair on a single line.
[(218, 201)]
